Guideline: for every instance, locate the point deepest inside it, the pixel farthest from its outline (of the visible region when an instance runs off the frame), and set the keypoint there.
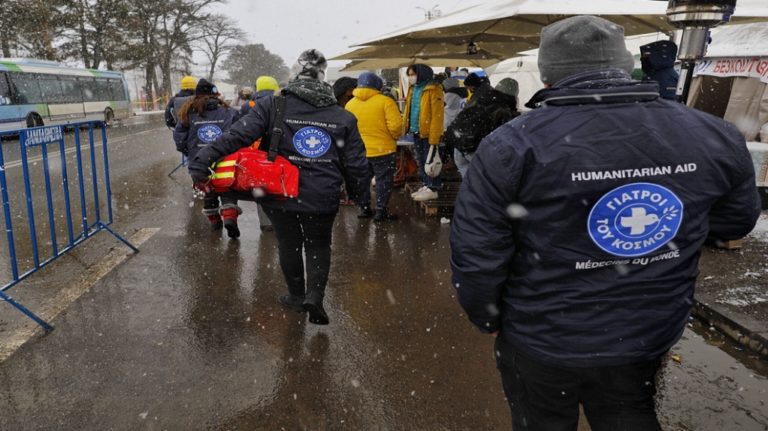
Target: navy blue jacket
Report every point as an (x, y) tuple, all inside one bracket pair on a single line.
[(203, 130), (323, 142), (578, 228), (658, 63)]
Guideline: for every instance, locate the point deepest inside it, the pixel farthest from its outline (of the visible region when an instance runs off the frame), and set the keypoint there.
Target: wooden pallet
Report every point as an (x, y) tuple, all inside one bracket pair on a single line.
[(443, 205)]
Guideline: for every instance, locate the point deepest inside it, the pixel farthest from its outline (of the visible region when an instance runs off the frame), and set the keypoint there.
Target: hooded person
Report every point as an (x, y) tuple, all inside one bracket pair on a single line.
[(423, 119), (455, 99), (380, 124), (657, 60), (188, 84), (322, 140), (478, 84), (577, 233), (202, 119)]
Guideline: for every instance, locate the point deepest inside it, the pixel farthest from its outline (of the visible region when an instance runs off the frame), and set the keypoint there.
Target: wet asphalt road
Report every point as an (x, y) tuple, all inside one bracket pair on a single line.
[(188, 334)]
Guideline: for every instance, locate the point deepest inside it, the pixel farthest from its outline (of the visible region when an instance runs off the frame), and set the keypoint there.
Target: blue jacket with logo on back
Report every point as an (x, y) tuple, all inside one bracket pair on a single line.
[(203, 129), (577, 231)]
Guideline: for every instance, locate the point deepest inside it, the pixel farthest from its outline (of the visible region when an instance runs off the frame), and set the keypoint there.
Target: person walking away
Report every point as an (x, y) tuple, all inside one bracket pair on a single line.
[(343, 88), (188, 84), (490, 108), (577, 233), (202, 120), (657, 60), (323, 141), (423, 118), (380, 124), (266, 87), (244, 95)]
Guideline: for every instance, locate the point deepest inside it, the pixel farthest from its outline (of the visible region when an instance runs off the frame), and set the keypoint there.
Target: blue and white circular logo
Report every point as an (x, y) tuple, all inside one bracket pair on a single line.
[(312, 141), (635, 219), (209, 133)]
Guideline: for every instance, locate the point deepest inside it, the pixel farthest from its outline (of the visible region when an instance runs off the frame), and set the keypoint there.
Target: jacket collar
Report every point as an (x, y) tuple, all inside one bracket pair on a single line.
[(596, 87)]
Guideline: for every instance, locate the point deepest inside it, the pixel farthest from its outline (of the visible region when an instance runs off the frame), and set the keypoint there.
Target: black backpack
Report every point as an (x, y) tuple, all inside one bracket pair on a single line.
[(473, 124)]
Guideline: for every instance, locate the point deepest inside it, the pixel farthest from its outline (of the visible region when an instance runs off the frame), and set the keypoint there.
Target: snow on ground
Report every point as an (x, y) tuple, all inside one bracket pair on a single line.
[(761, 229)]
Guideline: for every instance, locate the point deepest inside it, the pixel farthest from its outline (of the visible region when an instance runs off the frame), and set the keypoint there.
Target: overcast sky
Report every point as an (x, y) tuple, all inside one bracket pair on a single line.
[(287, 27)]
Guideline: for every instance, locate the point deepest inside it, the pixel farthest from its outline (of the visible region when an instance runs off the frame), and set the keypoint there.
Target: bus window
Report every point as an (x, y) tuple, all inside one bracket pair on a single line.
[(102, 89), (52, 89), (117, 90), (71, 89), (5, 90), (27, 90), (87, 85)]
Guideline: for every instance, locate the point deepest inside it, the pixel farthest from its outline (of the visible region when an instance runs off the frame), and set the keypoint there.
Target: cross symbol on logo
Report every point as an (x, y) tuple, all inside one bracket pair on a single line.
[(313, 142), (638, 221), (210, 133)]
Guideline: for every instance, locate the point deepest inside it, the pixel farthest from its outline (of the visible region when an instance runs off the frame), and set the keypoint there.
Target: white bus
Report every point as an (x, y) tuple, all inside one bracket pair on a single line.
[(41, 93)]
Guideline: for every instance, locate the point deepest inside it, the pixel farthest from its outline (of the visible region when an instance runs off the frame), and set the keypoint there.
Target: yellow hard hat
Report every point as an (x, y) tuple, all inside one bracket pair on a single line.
[(188, 83), (266, 83)]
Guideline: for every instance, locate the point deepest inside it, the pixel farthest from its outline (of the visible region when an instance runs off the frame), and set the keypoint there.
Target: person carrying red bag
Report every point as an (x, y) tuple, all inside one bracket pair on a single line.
[(202, 119), (322, 140)]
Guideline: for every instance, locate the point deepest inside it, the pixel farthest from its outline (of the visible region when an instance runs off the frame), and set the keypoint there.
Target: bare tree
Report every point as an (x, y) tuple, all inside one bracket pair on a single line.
[(217, 39), (180, 25)]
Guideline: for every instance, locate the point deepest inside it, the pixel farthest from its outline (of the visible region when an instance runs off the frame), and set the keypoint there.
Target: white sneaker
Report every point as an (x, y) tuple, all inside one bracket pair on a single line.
[(425, 195), (419, 191)]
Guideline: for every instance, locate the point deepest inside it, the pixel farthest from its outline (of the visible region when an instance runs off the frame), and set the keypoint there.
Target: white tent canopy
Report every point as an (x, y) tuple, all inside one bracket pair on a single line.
[(501, 29)]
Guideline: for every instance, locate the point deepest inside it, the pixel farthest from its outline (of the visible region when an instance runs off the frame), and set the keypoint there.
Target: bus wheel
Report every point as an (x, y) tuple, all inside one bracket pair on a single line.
[(109, 117), (34, 120)]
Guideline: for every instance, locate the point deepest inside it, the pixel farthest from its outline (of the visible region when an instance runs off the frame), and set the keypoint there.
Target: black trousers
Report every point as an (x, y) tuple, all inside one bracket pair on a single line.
[(545, 397), (383, 169), (300, 234)]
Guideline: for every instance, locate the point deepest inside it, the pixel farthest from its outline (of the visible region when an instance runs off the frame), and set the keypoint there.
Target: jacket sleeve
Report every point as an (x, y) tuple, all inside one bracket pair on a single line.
[(247, 129), (394, 120), (354, 162), (734, 215), (482, 240), (180, 136), (169, 121), (437, 113)]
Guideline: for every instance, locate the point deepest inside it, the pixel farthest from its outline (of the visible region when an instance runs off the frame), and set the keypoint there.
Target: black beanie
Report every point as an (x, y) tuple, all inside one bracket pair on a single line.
[(205, 88)]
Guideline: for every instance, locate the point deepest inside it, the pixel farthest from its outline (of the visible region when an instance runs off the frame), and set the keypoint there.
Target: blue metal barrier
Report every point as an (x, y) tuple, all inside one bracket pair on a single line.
[(183, 163), (41, 138)]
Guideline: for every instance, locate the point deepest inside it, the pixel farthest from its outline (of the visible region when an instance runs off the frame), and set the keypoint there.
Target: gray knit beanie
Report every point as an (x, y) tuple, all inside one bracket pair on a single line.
[(310, 65), (581, 43)]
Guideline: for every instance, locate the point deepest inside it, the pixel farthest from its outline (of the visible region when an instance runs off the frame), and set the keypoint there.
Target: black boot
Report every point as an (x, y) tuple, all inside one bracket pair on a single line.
[(313, 304), (292, 302)]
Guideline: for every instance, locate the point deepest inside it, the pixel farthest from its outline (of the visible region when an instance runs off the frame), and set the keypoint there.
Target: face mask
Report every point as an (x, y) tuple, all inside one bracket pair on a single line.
[(412, 80)]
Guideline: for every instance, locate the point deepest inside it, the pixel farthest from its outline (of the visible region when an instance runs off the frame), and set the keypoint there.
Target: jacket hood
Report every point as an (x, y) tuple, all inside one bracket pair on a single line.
[(317, 93), (424, 73), (365, 93), (596, 87)]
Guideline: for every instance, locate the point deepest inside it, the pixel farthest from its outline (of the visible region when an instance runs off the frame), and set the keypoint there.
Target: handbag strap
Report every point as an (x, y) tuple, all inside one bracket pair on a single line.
[(277, 128)]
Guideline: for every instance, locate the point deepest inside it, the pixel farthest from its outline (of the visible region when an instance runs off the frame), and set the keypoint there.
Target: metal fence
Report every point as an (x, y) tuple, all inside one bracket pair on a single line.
[(67, 222)]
